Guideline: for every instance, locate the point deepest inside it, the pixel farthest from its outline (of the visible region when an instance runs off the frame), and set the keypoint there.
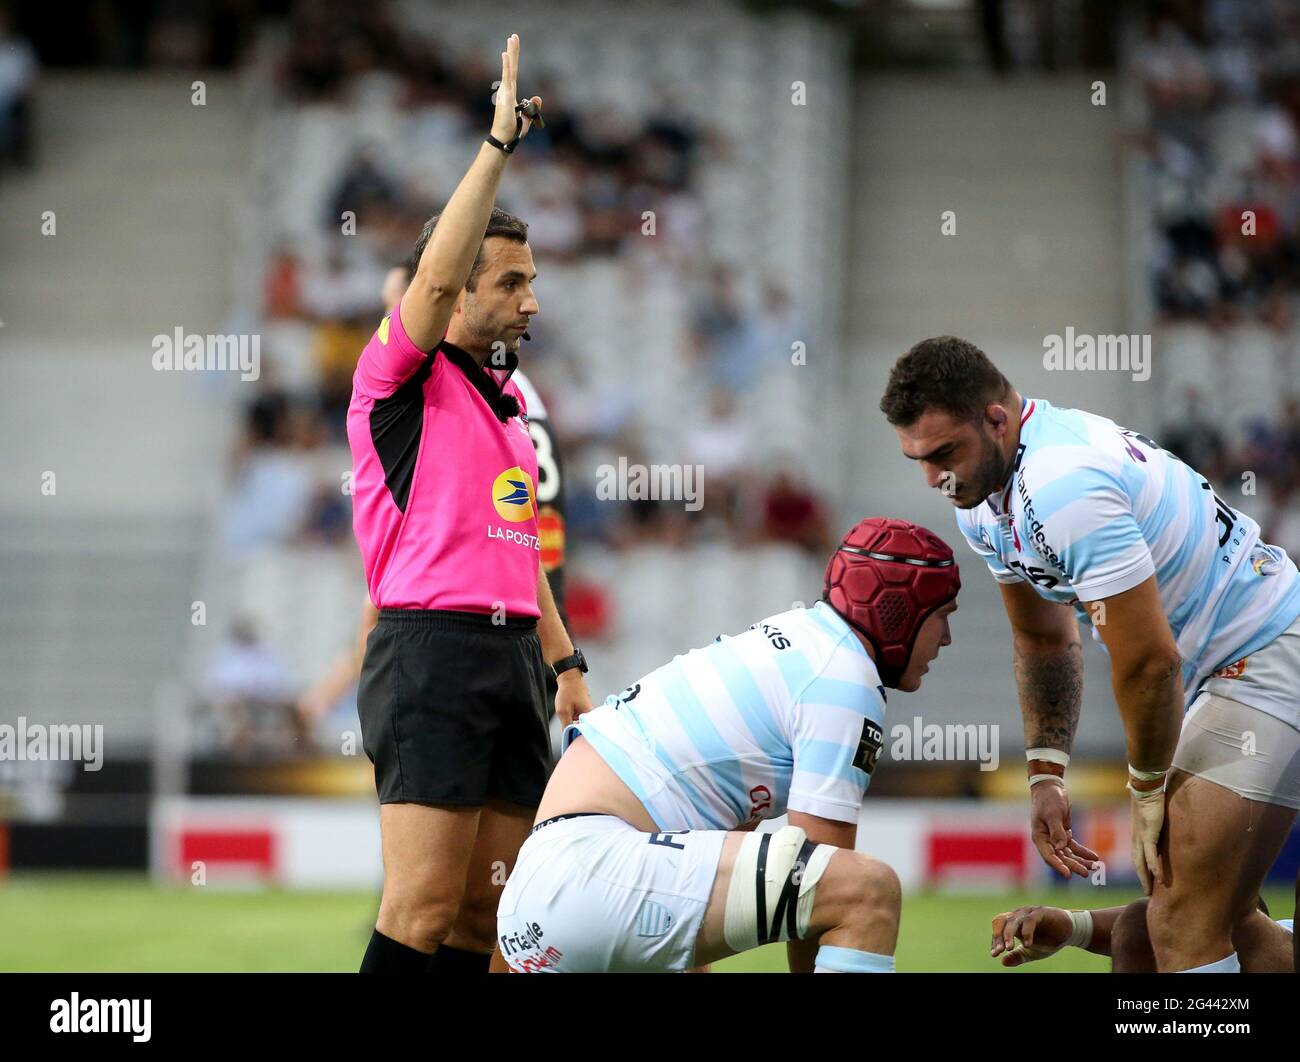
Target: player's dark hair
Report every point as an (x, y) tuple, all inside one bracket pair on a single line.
[(499, 224), (944, 373)]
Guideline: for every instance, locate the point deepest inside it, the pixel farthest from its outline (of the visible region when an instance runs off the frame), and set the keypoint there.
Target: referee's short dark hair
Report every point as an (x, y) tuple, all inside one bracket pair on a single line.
[(945, 373), (499, 224)]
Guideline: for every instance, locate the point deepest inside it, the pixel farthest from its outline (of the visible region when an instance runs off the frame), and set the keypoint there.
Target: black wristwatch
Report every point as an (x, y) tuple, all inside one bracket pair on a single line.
[(570, 662)]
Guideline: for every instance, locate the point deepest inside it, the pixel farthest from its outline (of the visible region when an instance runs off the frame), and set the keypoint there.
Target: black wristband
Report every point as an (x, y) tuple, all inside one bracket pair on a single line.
[(521, 107), (568, 663)]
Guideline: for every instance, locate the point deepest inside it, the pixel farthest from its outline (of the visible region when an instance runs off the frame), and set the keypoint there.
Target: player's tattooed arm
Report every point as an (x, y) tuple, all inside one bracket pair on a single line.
[(1049, 678), (1050, 683), (1048, 658)]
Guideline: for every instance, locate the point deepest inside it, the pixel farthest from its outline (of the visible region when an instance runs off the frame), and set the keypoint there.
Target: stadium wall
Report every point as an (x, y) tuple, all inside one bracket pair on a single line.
[(942, 844)]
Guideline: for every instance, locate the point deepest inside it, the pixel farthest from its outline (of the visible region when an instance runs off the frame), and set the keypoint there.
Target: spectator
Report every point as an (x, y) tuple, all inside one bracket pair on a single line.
[(1195, 439), (793, 513), (249, 689)]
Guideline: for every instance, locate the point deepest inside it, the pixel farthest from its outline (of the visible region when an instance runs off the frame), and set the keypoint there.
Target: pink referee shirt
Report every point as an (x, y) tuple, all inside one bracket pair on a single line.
[(444, 500)]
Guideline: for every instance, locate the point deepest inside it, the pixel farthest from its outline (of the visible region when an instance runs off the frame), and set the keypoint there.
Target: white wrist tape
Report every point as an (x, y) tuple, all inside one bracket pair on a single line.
[(1048, 756), (1081, 936), (1034, 779)]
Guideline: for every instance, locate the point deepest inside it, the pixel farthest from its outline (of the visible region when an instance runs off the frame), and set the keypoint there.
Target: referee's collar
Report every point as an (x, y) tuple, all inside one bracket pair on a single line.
[(483, 381)]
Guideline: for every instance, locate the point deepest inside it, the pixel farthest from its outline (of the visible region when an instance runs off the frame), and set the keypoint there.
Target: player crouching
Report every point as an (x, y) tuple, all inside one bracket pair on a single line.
[(641, 857)]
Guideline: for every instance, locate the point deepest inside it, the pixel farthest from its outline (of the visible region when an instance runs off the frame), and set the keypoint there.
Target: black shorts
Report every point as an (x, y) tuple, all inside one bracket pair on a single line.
[(453, 709)]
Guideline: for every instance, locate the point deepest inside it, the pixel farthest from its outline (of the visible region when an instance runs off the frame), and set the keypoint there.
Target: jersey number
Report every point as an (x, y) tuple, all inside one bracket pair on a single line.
[(1037, 576), (1223, 513), (548, 472)]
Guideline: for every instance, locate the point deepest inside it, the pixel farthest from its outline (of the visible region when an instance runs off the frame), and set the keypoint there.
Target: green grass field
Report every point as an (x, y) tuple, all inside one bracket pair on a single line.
[(123, 923)]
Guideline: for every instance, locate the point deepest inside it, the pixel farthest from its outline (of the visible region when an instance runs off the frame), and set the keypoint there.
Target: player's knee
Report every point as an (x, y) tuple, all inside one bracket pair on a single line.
[(1175, 914), (876, 889), (476, 923), (419, 922)]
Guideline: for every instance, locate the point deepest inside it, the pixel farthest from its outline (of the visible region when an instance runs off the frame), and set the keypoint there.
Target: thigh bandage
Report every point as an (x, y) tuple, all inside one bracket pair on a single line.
[(773, 885), (1241, 748)]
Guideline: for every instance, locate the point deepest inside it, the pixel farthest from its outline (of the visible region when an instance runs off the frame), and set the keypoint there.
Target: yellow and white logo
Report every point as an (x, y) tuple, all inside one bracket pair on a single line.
[(513, 495), (383, 330)]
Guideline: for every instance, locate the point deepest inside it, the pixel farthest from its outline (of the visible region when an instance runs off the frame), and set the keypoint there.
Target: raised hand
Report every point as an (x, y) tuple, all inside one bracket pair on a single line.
[(505, 120)]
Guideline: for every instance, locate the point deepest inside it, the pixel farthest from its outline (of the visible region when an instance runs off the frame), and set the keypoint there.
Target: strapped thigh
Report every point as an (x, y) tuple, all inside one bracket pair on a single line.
[(773, 886)]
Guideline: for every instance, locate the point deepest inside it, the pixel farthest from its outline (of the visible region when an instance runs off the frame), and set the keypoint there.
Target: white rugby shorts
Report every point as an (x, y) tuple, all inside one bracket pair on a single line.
[(1243, 729), (593, 894)]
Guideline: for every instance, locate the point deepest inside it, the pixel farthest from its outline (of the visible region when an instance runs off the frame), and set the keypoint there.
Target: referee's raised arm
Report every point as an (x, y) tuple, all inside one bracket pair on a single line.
[(445, 265)]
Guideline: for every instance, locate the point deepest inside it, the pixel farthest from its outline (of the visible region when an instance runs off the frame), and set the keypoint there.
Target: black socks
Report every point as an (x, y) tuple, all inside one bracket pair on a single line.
[(385, 955), (448, 960)]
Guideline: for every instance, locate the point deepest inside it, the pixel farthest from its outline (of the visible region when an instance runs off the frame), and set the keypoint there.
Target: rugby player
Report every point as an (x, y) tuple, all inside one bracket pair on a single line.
[(1079, 517), (1029, 934), (643, 856)]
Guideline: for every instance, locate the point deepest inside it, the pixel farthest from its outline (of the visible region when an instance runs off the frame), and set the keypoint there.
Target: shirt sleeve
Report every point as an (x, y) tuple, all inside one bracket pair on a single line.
[(997, 569), (1095, 536), (389, 359), (838, 733)]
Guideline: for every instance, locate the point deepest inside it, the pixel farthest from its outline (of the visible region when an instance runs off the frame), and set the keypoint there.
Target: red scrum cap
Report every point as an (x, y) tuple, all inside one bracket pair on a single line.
[(884, 579)]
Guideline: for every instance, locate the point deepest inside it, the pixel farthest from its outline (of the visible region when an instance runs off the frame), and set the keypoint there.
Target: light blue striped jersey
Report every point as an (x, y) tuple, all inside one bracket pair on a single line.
[(788, 715), (1093, 509)]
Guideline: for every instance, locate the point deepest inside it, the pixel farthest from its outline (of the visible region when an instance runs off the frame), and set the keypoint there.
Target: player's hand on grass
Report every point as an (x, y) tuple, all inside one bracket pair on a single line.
[(504, 121), (1147, 820), (571, 696), (1028, 934), (1049, 820)]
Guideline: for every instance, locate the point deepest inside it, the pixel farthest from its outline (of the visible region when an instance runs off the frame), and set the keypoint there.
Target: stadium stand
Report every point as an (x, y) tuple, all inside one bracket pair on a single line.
[(1222, 93)]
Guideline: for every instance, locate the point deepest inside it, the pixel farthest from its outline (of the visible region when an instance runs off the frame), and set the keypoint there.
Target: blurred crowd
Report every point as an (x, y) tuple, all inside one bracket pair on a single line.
[(1222, 86)]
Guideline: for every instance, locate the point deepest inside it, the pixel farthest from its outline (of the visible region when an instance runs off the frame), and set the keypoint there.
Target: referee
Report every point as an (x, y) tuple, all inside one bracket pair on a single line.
[(474, 930), (445, 511)]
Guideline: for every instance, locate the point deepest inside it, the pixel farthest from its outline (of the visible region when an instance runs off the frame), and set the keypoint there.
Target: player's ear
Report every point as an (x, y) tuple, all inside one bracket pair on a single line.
[(995, 415)]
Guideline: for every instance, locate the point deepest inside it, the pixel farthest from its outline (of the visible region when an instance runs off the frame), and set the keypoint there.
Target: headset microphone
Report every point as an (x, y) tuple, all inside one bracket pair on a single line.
[(527, 336)]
